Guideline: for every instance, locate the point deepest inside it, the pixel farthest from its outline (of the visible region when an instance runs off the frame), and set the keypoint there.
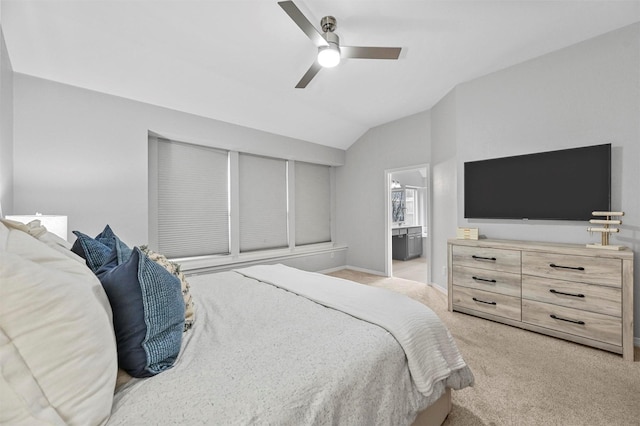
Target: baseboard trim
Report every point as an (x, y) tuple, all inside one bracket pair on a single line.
[(366, 271), (440, 289), (353, 268), (330, 270)]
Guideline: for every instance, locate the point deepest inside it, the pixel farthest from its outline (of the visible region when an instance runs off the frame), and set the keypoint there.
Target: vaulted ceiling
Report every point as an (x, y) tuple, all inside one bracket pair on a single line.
[(238, 61)]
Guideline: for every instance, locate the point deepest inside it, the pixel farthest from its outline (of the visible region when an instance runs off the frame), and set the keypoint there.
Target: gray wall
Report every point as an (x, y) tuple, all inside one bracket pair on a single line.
[(361, 186), (6, 129), (585, 94), (444, 210), (84, 154)]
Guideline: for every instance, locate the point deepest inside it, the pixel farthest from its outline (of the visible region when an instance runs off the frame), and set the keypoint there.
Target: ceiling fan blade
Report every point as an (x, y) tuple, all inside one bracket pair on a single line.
[(360, 52), (302, 21), (308, 76)]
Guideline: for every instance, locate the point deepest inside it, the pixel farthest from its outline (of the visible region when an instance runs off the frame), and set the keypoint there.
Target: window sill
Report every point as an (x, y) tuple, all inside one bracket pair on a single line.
[(207, 264)]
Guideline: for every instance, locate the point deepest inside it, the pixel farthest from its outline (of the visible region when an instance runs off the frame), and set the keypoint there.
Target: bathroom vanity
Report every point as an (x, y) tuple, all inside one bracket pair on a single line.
[(406, 242)]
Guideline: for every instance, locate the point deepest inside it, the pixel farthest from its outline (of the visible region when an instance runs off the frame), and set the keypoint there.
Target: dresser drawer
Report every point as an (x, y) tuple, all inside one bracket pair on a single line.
[(588, 297), (482, 279), (586, 269), (603, 328), (487, 258), (484, 301)]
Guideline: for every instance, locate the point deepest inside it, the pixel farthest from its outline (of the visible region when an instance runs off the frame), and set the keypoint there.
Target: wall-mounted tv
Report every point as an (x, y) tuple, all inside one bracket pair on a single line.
[(557, 185)]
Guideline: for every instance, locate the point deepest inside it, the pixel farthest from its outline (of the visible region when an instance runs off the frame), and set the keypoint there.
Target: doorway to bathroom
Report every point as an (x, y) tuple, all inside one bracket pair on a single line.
[(408, 246)]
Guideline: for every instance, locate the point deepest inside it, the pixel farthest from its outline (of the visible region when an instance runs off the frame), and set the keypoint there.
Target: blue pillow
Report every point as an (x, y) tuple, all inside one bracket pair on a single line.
[(148, 313), (92, 251), (123, 251), (95, 251), (111, 240), (107, 232)]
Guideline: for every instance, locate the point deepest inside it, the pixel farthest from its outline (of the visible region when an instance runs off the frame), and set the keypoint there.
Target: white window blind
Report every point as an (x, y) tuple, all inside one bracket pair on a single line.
[(313, 203), (193, 206), (263, 202)]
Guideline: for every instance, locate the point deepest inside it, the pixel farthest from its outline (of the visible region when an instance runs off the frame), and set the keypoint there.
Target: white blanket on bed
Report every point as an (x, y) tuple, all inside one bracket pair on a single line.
[(432, 355), (261, 355)]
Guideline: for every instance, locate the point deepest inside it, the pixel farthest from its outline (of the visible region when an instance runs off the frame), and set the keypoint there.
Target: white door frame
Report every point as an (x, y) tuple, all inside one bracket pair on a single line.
[(388, 268)]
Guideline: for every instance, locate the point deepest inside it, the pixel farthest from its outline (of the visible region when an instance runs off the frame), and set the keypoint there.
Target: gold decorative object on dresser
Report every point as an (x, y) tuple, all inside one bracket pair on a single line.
[(563, 290)]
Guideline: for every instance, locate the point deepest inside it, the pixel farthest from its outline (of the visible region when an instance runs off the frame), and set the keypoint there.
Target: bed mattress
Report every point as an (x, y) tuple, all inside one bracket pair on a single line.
[(259, 354)]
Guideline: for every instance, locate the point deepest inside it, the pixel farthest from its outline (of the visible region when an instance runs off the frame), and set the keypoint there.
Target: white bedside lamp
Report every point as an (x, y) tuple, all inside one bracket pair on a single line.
[(56, 224)]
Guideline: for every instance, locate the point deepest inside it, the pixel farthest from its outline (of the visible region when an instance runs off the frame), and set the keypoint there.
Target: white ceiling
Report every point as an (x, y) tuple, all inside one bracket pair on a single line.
[(238, 61)]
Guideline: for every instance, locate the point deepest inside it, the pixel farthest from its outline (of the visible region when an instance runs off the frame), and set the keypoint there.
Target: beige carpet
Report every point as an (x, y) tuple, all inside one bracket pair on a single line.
[(524, 378)]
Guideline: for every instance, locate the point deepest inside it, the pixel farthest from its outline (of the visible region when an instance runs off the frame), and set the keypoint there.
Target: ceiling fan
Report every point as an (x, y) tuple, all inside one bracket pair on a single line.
[(329, 50)]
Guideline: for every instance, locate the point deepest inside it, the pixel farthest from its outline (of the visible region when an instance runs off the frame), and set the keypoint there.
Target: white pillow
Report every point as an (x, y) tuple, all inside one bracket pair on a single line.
[(57, 327), (22, 399), (37, 230)]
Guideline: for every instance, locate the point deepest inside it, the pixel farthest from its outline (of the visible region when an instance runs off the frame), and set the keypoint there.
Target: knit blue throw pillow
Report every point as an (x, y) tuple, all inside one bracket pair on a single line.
[(148, 313), (96, 251), (111, 240), (107, 232), (92, 251)]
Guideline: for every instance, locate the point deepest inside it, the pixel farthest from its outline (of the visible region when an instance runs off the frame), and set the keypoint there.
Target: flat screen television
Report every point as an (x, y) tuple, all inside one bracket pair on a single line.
[(567, 184)]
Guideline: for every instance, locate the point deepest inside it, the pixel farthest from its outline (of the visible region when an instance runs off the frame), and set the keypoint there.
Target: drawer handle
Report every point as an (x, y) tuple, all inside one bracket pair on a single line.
[(482, 301), (483, 280), (566, 319), (566, 294), (577, 268), (491, 259)]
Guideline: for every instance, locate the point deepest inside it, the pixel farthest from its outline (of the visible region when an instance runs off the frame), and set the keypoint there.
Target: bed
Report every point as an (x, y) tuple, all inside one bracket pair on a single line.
[(267, 345)]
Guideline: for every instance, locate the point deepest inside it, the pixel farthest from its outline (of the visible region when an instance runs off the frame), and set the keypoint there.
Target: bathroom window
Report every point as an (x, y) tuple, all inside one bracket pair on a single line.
[(411, 216)]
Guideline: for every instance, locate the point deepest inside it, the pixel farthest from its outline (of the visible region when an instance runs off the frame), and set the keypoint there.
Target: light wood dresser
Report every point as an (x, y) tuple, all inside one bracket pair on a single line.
[(563, 290)]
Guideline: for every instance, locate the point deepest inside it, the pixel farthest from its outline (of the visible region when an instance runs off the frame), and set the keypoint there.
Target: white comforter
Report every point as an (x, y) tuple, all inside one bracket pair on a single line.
[(259, 354), (431, 353)]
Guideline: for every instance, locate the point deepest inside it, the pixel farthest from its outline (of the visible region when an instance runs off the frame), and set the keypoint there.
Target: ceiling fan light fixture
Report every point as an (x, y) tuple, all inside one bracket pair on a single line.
[(329, 56), (328, 44)]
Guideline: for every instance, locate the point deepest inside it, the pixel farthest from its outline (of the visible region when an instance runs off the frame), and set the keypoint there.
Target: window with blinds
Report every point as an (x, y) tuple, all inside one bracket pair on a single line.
[(205, 201), (263, 214), (312, 203), (193, 200)]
